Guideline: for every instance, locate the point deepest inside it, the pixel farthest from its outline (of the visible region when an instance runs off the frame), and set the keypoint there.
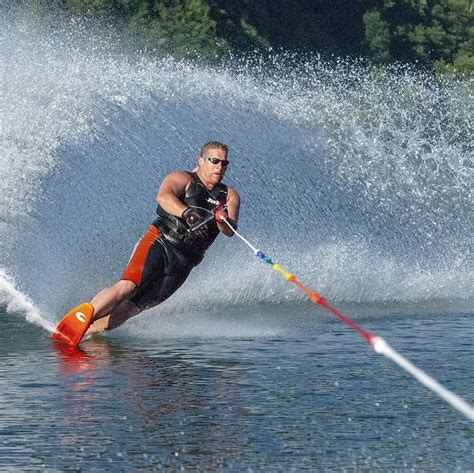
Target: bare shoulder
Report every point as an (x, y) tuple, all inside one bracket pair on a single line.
[(176, 182), (233, 194), (233, 204), (178, 176)]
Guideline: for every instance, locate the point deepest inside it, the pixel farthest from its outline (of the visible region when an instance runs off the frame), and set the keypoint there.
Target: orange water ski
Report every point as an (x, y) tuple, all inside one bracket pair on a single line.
[(74, 324)]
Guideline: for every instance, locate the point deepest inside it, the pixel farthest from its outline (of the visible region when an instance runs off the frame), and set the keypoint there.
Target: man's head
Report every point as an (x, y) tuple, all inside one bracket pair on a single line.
[(213, 162), (215, 145)]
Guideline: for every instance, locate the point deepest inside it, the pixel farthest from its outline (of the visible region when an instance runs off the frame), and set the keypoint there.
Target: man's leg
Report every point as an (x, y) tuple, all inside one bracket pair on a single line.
[(120, 315), (119, 303), (109, 299)]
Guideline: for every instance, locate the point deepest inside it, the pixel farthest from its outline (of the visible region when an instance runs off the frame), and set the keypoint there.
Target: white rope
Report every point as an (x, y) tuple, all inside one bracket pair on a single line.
[(255, 250), (382, 347)]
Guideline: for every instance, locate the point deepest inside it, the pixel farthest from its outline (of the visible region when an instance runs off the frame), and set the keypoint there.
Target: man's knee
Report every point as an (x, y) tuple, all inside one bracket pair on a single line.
[(124, 289)]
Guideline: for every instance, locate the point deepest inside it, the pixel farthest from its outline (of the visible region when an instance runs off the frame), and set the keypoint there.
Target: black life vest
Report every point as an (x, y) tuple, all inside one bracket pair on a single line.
[(202, 200)]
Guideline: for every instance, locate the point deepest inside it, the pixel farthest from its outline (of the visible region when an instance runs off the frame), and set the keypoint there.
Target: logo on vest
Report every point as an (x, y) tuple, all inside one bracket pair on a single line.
[(213, 201)]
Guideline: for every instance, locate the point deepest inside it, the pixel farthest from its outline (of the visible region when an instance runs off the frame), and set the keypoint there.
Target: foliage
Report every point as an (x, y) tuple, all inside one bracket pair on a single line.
[(377, 35), (178, 27), (434, 33), (439, 33)]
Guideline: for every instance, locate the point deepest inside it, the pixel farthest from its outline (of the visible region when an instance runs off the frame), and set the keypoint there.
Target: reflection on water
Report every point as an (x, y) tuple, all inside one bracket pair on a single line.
[(314, 399), (171, 398)]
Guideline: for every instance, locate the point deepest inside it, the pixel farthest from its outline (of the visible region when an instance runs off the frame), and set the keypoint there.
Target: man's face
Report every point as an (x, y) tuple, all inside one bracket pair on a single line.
[(212, 172)]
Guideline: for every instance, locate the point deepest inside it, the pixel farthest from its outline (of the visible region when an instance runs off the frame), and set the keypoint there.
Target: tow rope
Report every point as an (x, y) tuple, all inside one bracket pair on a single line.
[(378, 344)]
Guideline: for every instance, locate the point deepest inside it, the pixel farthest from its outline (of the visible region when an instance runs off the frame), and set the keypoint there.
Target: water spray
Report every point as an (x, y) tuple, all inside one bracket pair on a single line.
[(378, 344)]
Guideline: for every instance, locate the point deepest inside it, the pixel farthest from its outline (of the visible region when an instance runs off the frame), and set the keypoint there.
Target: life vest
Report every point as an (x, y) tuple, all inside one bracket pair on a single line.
[(202, 200)]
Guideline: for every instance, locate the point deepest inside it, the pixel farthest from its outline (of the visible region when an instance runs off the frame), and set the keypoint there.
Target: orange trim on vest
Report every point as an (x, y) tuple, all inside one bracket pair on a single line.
[(134, 270)]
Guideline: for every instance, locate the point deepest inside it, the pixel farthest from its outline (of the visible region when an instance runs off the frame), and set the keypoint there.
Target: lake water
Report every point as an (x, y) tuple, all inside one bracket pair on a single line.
[(304, 393)]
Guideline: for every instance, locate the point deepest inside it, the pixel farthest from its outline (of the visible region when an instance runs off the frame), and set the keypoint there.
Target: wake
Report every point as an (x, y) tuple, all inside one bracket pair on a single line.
[(17, 302)]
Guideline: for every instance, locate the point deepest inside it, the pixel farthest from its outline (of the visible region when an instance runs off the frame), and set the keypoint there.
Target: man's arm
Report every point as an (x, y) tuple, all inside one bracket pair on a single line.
[(174, 185), (233, 205)]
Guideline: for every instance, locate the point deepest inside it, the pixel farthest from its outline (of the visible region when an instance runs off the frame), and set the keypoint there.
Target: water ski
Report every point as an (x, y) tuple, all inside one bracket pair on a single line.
[(74, 324)]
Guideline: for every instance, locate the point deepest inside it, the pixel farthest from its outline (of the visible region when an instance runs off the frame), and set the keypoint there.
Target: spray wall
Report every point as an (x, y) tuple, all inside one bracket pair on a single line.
[(358, 179)]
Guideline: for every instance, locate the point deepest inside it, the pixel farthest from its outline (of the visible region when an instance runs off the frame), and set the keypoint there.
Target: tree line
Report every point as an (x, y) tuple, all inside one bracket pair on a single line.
[(433, 33)]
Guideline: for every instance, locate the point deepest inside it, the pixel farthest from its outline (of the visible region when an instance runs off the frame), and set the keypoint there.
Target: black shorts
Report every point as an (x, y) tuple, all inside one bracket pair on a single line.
[(157, 269)]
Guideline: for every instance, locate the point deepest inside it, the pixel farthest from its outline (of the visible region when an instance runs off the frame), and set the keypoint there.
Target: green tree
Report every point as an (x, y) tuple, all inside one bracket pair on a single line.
[(180, 26), (377, 35), (433, 32), (437, 33)]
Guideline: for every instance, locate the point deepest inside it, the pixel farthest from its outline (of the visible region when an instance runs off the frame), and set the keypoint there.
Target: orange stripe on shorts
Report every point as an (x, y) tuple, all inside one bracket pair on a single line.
[(134, 270)]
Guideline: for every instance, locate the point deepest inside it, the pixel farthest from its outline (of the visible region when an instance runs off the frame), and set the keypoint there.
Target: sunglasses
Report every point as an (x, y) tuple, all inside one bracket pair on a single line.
[(224, 162)]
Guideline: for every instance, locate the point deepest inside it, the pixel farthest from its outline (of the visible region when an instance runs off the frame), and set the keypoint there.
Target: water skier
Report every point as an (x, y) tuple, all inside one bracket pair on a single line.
[(191, 208)]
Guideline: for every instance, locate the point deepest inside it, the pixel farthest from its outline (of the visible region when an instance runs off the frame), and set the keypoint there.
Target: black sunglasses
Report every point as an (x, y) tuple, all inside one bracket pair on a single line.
[(224, 162)]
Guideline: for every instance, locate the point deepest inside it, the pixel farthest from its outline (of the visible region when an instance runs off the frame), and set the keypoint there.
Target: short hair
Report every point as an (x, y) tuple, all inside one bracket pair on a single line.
[(215, 145)]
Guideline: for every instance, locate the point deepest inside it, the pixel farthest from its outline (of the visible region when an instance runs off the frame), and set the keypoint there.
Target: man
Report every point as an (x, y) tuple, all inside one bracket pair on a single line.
[(193, 208)]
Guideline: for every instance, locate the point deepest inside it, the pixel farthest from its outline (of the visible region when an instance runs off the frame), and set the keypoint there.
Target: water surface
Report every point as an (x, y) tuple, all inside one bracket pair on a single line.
[(313, 397)]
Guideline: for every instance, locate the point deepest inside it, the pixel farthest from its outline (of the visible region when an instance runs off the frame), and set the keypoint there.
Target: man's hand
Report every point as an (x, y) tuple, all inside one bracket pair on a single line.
[(191, 217), (220, 216), (220, 213)]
